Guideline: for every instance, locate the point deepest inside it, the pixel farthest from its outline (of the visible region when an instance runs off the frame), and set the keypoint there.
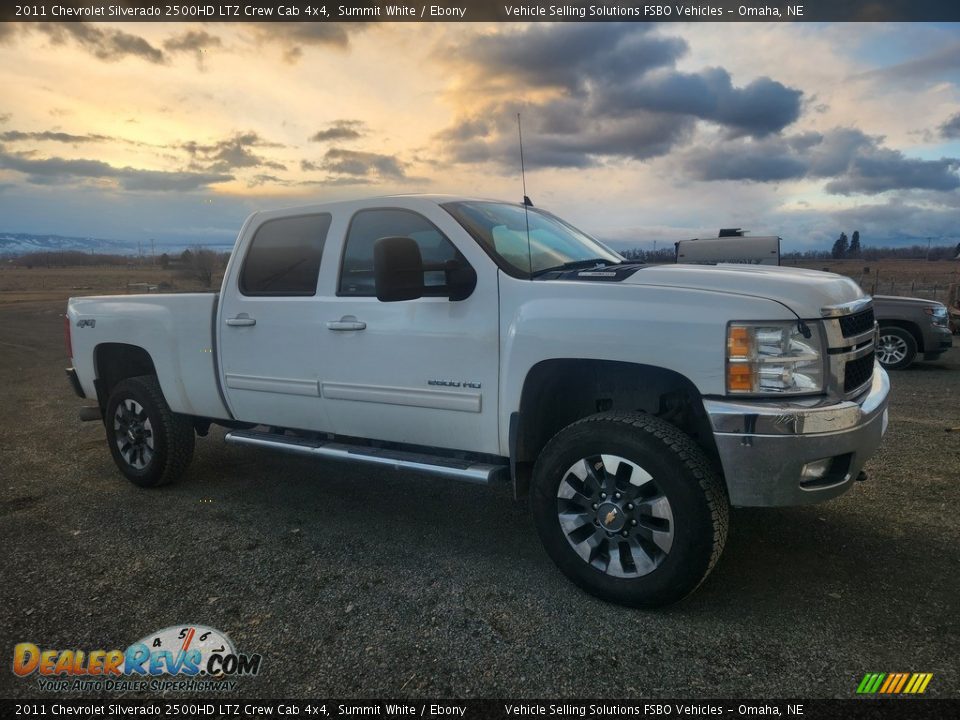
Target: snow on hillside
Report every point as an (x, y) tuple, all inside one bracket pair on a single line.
[(15, 244), (24, 243)]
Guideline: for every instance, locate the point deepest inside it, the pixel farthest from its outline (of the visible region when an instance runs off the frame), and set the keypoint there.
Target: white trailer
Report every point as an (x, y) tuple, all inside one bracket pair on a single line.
[(732, 246)]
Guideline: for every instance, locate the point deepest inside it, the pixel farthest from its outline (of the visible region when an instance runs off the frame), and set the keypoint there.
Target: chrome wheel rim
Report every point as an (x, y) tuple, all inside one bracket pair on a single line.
[(133, 434), (892, 349), (615, 516)]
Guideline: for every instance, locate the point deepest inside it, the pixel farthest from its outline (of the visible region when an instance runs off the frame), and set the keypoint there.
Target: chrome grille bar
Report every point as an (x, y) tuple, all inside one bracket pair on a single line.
[(843, 350)]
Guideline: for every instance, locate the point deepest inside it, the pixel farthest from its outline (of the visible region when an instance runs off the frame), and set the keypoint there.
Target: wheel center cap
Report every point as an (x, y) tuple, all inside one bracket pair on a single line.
[(612, 517)]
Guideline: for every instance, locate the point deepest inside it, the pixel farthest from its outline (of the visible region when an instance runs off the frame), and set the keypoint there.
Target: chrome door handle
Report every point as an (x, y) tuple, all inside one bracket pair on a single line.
[(241, 320), (347, 322)]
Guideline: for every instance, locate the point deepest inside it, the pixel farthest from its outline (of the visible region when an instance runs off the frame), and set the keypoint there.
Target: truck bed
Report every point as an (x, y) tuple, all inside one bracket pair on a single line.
[(175, 329)]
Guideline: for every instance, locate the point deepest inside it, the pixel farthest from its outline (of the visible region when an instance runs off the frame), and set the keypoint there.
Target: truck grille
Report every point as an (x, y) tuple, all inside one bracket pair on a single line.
[(851, 339), (857, 324), (857, 373)]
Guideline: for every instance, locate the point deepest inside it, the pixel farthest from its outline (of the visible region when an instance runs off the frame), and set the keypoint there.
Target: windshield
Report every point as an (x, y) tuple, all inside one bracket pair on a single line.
[(502, 229)]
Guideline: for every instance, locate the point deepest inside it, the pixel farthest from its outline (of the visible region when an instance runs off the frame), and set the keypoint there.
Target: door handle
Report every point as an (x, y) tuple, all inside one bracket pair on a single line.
[(347, 322), (241, 320)]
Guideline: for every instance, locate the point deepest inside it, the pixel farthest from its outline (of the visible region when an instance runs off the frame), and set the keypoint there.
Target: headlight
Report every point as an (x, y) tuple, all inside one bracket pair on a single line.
[(774, 358), (938, 314)]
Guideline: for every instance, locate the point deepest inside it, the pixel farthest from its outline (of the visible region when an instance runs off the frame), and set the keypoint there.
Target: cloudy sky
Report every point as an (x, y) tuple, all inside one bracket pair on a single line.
[(634, 132)]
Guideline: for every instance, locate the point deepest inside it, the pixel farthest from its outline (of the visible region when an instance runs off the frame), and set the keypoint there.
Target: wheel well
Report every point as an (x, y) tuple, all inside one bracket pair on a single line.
[(559, 392), (114, 362), (909, 327)]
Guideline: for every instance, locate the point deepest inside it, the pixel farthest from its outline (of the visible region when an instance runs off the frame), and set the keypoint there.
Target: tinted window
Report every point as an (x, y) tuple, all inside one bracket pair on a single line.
[(284, 257), (368, 226)]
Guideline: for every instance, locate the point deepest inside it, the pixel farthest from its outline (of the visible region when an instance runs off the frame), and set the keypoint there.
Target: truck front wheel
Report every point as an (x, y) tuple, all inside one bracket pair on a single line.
[(897, 348), (629, 508), (151, 444)]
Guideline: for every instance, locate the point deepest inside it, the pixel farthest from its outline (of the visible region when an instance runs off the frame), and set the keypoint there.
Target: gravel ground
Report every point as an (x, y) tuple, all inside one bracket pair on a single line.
[(372, 584)]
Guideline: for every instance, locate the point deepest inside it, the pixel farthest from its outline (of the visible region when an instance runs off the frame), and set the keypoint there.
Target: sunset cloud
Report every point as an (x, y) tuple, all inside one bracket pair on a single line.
[(852, 162), (340, 130), (56, 170), (103, 43), (603, 92), (629, 129)]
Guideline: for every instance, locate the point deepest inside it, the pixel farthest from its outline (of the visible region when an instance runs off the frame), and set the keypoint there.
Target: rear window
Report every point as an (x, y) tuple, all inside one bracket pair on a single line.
[(284, 256)]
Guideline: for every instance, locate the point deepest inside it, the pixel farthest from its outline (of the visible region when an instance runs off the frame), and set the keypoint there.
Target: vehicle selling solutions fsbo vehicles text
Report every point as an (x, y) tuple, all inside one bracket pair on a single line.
[(612, 11), (660, 11)]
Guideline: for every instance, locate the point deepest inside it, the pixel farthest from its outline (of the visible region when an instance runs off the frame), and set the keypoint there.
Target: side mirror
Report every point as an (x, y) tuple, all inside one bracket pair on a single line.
[(397, 269), (461, 280)]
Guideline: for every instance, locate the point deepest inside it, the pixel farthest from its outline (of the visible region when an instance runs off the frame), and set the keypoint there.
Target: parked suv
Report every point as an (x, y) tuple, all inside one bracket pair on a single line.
[(910, 327)]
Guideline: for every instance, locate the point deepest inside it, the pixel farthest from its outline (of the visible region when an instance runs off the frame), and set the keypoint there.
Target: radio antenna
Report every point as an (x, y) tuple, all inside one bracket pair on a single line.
[(526, 200)]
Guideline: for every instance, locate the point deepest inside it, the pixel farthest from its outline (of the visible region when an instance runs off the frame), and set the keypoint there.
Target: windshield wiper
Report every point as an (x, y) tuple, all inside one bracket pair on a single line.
[(574, 264)]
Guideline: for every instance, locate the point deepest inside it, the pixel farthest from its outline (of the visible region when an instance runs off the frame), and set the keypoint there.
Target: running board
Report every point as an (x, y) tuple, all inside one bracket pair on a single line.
[(446, 467)]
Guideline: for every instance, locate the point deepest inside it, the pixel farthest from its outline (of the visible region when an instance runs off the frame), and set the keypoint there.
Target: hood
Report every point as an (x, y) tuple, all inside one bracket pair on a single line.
[(803, 291), (897, 300)]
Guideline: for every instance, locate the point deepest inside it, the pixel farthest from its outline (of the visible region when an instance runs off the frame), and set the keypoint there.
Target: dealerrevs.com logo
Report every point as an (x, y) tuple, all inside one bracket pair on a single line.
[(180, 657)]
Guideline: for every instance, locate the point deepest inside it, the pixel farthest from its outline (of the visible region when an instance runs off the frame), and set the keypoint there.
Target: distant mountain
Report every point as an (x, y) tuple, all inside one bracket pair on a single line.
[(25, 243), (14, 244)]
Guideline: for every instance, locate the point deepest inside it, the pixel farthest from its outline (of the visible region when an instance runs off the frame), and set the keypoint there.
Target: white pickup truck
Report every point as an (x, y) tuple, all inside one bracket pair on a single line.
[(484, 341)]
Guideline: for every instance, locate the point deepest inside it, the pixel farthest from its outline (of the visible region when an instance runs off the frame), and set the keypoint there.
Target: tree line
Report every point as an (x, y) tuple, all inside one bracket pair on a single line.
[(850, 248)]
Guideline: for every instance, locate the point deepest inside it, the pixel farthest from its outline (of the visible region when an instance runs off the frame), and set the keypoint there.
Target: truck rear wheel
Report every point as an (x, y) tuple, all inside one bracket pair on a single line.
[(629, 508), (151, 444)]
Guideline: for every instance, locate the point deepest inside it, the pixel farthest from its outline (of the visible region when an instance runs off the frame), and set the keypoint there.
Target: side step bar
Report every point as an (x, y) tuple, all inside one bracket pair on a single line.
[(451, 468)]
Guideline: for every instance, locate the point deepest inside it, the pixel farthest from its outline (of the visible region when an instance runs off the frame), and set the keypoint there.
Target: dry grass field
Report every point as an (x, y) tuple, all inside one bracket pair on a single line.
[(20, 284), (908, 278)]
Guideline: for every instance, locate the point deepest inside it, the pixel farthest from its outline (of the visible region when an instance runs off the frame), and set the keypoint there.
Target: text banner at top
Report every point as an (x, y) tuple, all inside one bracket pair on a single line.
[(484, 11)]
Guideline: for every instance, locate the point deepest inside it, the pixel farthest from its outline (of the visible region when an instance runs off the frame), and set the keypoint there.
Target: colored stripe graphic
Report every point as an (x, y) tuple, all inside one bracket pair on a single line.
[(903, 680), (894, 683), (870, 683)]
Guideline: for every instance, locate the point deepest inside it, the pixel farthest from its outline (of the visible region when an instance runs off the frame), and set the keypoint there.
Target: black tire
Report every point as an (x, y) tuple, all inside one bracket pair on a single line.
[(897, 348), (674, 468), (151, 444)]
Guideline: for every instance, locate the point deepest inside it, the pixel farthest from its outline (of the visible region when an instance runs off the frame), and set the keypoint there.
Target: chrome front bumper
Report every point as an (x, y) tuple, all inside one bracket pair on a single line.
[(765, 445)]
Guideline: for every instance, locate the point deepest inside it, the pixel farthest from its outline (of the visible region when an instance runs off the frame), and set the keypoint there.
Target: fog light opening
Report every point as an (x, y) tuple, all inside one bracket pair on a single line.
[(826, 472), (815, 470)]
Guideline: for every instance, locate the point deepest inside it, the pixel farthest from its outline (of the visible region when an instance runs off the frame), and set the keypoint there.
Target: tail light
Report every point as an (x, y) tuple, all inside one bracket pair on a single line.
[(67, 340)]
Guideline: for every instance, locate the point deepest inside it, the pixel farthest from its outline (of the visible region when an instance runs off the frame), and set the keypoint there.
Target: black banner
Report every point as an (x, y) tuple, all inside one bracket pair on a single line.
[(484, 11), (504, 709)]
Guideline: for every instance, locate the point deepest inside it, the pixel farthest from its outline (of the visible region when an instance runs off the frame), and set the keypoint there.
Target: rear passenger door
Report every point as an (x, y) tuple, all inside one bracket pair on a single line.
[(422, 371), (269, 327)]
